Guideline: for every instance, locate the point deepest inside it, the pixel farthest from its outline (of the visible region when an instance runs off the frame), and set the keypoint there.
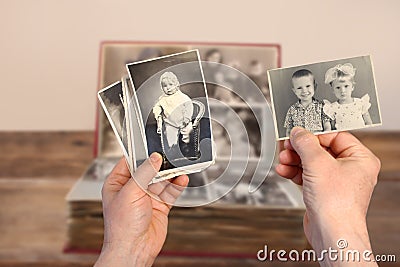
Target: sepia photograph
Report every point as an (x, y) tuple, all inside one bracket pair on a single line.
[(171, 97), (324, 97)]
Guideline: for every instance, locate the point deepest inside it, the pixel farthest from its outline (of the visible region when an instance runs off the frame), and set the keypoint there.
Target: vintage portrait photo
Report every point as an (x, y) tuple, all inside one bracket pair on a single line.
[(112, 100), (337, 95), (173, 108)]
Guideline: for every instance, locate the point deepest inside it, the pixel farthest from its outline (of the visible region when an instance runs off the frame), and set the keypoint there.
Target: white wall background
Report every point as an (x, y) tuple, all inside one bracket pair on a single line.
[(49, 49)]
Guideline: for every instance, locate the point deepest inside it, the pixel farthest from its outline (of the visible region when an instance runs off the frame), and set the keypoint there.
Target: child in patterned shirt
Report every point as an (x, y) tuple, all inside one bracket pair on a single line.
[(308, 111)]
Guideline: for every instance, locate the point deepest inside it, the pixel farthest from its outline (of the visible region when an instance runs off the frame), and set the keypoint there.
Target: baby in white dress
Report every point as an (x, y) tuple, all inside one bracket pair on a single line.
[(347, 112), (174, 110)]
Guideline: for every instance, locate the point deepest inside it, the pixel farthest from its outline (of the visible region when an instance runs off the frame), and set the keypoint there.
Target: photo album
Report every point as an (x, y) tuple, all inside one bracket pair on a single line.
[(162, 106)]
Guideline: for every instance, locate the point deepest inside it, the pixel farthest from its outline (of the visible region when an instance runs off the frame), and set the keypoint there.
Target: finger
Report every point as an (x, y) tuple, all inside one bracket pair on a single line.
[(157, 188), (281, 145), (144, 174), (118, 177), (307, 147), (293, 173), (342, 144), (289, 157), (174, 189), (288, 145), (121, 168), (181, 181)]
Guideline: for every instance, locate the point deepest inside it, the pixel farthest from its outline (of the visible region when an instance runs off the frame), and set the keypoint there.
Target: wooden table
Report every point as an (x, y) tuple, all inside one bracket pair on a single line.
[(38, 169)]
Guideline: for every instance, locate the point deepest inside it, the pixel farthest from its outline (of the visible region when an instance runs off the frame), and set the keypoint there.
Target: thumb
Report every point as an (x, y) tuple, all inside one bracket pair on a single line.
[(143, 175), (307, 146)]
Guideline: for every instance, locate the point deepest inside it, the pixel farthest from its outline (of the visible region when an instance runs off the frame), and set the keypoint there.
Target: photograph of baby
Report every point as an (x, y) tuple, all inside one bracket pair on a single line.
[(172, 99), (323, 97)]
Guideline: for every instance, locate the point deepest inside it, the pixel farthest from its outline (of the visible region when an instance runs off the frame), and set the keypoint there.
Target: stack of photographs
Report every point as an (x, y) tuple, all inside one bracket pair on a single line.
[(238, 222), (166, 111)]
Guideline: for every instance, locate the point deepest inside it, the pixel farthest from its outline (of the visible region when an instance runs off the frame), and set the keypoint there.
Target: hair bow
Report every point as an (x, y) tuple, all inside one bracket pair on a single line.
[(334, 73)]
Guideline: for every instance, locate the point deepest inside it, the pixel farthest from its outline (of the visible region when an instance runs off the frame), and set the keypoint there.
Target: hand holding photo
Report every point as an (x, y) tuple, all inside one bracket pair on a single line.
[(173, 109), (325, 97)]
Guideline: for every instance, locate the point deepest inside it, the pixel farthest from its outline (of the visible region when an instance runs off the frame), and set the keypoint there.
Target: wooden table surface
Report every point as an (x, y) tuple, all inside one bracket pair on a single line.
[(37, 169)]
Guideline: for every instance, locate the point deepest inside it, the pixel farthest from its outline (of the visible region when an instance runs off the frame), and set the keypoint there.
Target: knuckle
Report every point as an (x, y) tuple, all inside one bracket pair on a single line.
[(378, 163), (103, 190), (281, 155), (375, 166)]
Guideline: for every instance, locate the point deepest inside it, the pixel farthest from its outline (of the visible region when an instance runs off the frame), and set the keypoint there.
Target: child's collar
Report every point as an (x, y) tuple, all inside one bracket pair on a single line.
[(313, 100)]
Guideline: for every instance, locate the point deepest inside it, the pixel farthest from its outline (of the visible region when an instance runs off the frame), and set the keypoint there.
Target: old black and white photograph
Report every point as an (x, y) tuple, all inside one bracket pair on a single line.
[(324, 97), (111, 99), (171, 95)]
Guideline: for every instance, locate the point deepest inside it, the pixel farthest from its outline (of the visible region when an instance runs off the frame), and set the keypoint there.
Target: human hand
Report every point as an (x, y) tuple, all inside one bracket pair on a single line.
[(338, 175), (135, 223)]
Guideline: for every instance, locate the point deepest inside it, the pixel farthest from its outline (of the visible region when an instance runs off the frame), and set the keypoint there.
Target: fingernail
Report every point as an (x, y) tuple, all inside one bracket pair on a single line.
[(295, 131), (154, 157)]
